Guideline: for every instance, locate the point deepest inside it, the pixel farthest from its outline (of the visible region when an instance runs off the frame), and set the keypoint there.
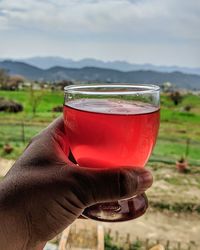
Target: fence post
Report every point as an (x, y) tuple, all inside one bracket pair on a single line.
[(109, 232), (64, 239), (167, 245), (100, 237), (128, 238), (23, 132), (116, 236), (147, 244)]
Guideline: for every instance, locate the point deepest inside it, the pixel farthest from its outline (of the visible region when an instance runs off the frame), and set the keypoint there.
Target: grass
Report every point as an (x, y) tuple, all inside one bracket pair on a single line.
[(176, 149), (44, 113), (13, 134), (176, 125), (110, 244), (176, 207)]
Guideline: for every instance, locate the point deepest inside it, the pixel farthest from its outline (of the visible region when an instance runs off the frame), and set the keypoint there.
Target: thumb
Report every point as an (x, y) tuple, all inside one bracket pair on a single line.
[(96, 185)]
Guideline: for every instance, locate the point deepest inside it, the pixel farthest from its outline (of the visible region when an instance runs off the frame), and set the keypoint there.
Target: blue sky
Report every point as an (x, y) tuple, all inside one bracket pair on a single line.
[(162, 32)]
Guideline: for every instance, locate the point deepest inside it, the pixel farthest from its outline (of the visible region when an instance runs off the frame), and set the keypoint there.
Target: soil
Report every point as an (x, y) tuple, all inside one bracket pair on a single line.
[(161, 226)]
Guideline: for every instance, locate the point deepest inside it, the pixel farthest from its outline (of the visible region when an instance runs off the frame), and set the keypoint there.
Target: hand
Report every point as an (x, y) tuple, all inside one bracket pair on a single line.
[(44, 191)]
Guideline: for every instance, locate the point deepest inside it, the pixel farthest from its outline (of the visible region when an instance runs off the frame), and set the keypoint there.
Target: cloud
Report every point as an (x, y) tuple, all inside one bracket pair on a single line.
[(176, 19), (158, 30)]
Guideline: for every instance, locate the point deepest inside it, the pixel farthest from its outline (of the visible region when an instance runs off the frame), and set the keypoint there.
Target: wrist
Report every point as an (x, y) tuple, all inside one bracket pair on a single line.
[(15, 229), (12, 226)]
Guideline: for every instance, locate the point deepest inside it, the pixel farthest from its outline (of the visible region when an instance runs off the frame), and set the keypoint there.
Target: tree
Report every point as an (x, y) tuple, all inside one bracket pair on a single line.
[(176, 97), (4, 78), (35, 98), (14, 81), (64, 83)]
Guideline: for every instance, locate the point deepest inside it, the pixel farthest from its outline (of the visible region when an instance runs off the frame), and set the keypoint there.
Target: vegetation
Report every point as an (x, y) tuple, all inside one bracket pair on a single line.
[(175, 128), (176, 97), (8, 82), (35, 98), (110, 244)]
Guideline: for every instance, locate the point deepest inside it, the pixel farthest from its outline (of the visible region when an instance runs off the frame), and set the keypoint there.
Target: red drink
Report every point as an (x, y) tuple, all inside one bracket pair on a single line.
[(108, 133), (109, 126)]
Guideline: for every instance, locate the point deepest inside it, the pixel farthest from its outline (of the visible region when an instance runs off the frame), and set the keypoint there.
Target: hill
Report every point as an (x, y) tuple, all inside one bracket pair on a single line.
[(52, 61), (94, 74)]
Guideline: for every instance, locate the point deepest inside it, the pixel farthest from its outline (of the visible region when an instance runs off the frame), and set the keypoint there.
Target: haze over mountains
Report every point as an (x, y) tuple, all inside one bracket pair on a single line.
[(48, 62), (77, 71)]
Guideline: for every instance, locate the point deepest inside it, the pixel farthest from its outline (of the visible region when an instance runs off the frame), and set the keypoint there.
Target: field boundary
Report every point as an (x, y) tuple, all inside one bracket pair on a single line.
[(21, 133)]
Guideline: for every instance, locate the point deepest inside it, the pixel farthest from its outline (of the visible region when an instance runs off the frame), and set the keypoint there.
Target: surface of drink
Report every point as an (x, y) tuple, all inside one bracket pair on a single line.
[(111, 133)]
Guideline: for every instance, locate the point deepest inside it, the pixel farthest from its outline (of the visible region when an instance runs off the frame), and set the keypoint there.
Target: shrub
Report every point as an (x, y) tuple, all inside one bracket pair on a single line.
[(57, 109), (10, 106)]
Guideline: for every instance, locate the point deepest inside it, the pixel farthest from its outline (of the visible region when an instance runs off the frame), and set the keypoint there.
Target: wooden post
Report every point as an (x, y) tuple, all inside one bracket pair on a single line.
[(147, 244), (100, 237), (109, 231), (64, 238), (116, 236), (23, 132), (179, 246), (167, 245), (128, 238)]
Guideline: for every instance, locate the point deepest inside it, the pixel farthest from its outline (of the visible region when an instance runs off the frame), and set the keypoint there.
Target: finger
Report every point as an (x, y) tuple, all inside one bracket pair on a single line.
[(57, 125), (53, 137), (49, 147), (94, 185)]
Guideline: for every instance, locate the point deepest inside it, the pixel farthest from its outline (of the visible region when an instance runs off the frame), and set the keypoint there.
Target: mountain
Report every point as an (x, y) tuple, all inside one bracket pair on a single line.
[(48, 62), (94, 74), (23, 69)]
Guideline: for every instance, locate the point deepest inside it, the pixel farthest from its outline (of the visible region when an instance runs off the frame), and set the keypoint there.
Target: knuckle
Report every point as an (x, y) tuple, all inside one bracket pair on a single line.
[(83, 186), (128, 182)]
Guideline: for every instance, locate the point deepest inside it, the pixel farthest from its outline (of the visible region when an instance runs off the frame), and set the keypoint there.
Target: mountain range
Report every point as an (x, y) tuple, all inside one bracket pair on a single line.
[(95, 74), (49, 62)]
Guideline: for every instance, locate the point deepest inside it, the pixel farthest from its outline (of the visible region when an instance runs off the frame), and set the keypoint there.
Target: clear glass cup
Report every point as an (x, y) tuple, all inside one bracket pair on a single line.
[(112, 126)]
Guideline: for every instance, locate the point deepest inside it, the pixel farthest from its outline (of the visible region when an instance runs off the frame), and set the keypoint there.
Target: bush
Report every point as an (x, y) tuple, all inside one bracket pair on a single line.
[(136, 245), (10, 106), (187, 108), (109, 245), (57, 109), (176, 97)]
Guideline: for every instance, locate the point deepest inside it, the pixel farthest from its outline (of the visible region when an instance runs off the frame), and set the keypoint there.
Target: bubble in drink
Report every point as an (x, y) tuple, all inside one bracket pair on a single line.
[(109, 133)]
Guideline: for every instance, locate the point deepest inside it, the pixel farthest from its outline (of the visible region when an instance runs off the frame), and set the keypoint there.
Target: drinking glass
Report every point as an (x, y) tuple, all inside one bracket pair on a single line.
[(112, 126)]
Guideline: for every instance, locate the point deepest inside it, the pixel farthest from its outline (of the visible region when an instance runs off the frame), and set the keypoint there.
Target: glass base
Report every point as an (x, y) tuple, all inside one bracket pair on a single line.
[(122, 210)]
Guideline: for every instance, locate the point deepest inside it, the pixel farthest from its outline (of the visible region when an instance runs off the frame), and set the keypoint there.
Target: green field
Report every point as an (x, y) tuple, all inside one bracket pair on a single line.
[(176, 126)]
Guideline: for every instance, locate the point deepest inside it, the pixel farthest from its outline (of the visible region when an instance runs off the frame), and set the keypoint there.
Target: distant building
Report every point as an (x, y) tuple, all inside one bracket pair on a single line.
[(168, 87)]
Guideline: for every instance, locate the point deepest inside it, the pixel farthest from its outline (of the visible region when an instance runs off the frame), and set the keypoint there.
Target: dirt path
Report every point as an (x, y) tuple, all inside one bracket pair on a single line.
[(154, 226), (161, 226), (5, 165)]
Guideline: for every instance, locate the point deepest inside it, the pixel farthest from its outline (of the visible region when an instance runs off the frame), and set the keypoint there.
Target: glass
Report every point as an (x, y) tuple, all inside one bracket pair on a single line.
[(112, 126)]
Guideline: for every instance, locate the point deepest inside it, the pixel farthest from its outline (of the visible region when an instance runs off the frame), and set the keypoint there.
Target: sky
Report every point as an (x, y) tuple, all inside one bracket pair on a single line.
[(161, 32)]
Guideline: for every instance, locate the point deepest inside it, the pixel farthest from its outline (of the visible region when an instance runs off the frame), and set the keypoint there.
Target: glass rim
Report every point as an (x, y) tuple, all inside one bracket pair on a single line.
[(133, 89)]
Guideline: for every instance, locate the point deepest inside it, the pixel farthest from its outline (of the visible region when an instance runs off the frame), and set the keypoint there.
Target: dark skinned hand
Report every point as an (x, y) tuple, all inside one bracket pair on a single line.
[(44, 192)]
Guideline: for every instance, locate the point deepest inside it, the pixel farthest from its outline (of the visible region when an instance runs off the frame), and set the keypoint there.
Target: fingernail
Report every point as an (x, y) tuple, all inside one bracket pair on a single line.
[(145, 181)]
